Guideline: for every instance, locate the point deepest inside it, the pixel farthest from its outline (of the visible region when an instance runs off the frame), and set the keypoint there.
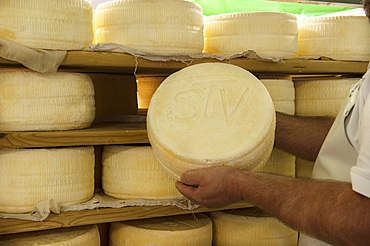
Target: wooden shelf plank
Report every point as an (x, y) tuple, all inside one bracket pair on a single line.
[(97, 134), (97, 216), (83, 61)]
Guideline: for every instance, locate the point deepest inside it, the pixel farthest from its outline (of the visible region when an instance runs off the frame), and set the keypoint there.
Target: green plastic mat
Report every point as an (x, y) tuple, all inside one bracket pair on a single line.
[(214, 7)]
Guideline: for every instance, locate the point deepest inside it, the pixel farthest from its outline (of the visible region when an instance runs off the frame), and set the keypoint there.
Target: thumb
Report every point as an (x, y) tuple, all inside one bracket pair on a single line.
[(192, 177)]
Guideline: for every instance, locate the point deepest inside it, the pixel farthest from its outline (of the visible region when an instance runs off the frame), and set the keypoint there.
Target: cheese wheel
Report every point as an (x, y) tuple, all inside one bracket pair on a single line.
[(133, 172), (45, 24), (211, 114), (146, 86), (270, 34), (32, 101), (304, 168), (321, 97), (250, 226), (336, 37), (72, 236), (162, 27), (181, 230), (30, 176)]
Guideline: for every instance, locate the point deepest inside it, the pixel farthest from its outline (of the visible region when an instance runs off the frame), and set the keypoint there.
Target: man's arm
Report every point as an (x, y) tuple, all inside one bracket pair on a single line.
[(329, 211), (301, 136)]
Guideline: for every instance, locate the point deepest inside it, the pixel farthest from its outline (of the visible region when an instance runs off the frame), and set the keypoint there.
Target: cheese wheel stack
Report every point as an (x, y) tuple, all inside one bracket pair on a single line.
[(161, 27), (146, 86), (250, 226), (45, 24), (181, 230), (72, 236), (282, 94), (211, 114), (335, 37), (30, 176), (319, 97), (270, 34), (31, 101), (133, 172)]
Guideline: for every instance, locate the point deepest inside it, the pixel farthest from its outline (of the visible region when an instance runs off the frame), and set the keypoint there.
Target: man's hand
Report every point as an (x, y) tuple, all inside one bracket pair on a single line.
[(212, 187)]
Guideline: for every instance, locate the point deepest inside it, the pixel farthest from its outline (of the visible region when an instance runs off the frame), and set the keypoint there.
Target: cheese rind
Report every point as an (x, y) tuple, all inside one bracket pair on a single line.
[(270, 34), (32, 101), (211, 114), (250, 226), (133, 172), (72, 236), (30, 176), (336, 37), (163, 27), (181, 230), (44, 24)]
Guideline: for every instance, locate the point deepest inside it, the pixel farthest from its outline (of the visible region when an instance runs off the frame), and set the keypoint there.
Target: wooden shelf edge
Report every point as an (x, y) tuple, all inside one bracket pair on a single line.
[(84, 61), (98, 216)]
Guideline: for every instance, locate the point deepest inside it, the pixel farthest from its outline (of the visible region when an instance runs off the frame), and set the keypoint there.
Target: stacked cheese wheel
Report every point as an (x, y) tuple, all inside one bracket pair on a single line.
[(162, 27), (133, 172), (250, 226), (181, 230), (32, 101), (211, 114), (336, 37), (73, 236), (282, 93), (146, 86), (319, 97), (30, 176), (270, 34), (45, 24)]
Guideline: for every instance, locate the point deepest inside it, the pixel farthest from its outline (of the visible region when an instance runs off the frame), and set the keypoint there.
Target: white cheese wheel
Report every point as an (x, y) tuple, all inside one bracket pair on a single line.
[(336, 37), (270, 34), (146, 86), (211, 114), (45, 24), (72, 236), (133, 172), (321, 97), (32, 101), (162, 27), (30, 176), (181, 230), (282, 94), (250, 226)]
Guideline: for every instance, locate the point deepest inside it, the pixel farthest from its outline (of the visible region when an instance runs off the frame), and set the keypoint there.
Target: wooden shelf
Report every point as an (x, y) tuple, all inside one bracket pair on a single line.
[(97, 216), (97, 134), (83, 61)]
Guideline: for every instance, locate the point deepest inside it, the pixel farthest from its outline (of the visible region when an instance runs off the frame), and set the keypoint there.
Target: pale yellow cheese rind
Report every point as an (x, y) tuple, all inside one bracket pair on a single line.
[(72, 236), (45, 24), (211, 114), (181, 230), (30, 176), (133, 172)]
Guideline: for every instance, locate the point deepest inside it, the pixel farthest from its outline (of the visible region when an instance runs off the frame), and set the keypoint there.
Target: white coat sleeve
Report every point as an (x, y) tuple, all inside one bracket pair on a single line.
[(360, 174)]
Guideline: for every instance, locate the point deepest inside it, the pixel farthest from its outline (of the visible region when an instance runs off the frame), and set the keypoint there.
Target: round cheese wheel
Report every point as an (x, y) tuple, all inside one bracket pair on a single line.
[(30, 176), (162, 27), (250, 226), (181, 230), (32, 101), (270, 34), (211, 114), (72, 236), (336, 37), (133, 172), (45, 24)]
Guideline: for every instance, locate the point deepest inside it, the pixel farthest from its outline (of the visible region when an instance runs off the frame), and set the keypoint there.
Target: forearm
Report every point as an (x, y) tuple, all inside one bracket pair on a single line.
[(330, 211), (301, 136)]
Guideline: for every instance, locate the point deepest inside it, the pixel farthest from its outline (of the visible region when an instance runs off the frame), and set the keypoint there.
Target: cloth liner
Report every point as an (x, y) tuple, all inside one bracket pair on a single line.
[(42, 210)]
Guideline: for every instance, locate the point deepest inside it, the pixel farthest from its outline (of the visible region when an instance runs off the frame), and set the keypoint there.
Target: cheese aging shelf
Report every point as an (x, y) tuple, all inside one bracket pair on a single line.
[(134, 132)]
